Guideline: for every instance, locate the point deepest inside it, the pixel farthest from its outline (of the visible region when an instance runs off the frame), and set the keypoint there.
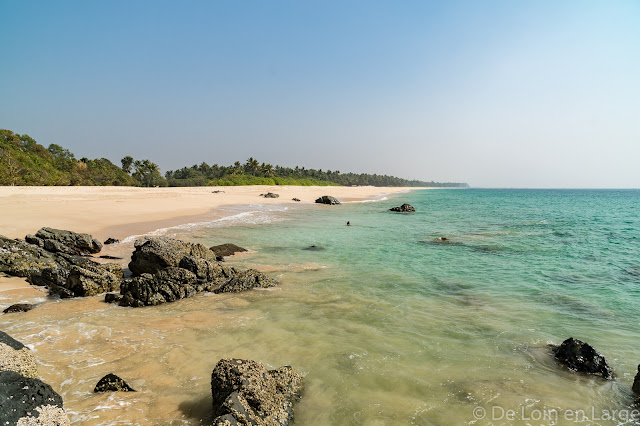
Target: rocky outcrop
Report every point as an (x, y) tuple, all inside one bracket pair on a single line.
[(19, 307), (68, 242), (112, 383), (579, 356), (111, 241), (64, 274), (227, 249), (636, 384), (327, 199), (405, 208), (270, 195), (180, 270), (246, 393), (154, 254), (24, 400), (10, 341)]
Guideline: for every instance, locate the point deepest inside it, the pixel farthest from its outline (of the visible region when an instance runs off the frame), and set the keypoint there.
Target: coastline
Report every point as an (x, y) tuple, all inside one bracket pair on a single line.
[(116, 212)]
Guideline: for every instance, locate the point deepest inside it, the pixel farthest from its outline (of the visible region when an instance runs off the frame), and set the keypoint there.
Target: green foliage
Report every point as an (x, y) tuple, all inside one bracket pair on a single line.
[(147, 174), (254, 173), (25, 162), (127, 162)]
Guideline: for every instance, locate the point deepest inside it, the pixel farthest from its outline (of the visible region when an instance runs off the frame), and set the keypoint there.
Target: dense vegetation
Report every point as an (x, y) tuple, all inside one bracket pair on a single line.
[(25, 162), (255, 173)]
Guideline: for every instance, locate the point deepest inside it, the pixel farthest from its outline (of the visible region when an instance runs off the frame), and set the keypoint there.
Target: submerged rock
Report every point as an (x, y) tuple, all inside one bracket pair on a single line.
[(20, 397), (112, 383), (61, 241), (579, 356), (405, 208), (227, 249), (327, 199), (314, 248), (111, 241), (19, 307), (154, 254), (245, 392)]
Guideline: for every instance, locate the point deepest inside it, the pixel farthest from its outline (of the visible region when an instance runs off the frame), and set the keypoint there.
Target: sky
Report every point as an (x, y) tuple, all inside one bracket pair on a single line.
[(494, 93)]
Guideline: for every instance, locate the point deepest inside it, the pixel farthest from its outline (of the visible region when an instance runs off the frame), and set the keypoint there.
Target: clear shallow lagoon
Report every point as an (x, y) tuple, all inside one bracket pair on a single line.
[(389, 325)]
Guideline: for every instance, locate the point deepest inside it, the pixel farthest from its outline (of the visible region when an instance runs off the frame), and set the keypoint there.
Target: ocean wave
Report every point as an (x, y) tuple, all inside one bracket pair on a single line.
[(367, 201), (252, 217)]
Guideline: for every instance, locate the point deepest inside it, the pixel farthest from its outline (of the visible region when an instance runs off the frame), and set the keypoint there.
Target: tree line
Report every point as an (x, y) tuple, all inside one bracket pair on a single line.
[(25, 162)]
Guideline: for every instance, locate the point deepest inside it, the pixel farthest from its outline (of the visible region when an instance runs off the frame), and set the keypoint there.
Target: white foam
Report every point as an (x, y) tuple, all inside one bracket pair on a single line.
[(265, 214), (367, 201)]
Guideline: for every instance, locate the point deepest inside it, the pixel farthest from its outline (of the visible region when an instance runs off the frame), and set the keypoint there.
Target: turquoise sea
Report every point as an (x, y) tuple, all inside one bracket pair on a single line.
[(393, 326), (388, 324)]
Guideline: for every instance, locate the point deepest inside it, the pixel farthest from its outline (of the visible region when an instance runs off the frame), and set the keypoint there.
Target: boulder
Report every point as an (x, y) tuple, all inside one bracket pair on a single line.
[(270, 195), (61, 241), (53, 270), (579, 356), (245, 392), (24, 397), (167, 285), (111, 241), (227, 249), (154, 254), (405, 208), (112, 383), (19, 360), (245, 280), (327, 199), (19, 307)]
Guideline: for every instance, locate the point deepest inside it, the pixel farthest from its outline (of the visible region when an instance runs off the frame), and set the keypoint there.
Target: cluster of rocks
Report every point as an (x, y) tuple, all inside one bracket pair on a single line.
[(166, 270), (405, 208), (25, 399), (328, 199), (270, 195), (56, 259)]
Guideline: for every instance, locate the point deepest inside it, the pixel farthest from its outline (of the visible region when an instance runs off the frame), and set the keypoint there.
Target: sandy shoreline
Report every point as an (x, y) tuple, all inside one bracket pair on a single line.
[(120, 212)]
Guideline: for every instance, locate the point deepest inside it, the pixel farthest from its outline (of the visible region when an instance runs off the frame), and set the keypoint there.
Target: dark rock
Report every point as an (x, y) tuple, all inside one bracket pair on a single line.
[(112, 298), (579, 356), (21, 259), (60, 241), (314, 248), (245, 392), (405, 208), (168, 285), (227, 249), (106, 256), (154, 254), (65, 275), (19, 307), (10, 341), (217, 192), (270, 195), (245, 280), (295, 199), (20, 396), (112, 383), (327, 199), (636, 383), (111, 241)]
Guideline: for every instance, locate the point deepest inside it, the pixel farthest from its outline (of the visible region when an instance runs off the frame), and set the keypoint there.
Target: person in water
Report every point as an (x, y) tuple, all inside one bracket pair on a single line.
[(348, 223)]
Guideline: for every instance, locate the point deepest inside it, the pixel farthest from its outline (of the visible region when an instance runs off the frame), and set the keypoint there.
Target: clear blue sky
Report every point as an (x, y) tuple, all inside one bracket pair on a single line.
[(495, 93)]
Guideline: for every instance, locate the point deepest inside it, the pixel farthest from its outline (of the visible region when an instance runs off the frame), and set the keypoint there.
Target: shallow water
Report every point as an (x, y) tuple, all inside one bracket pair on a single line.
[(388, 324)]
